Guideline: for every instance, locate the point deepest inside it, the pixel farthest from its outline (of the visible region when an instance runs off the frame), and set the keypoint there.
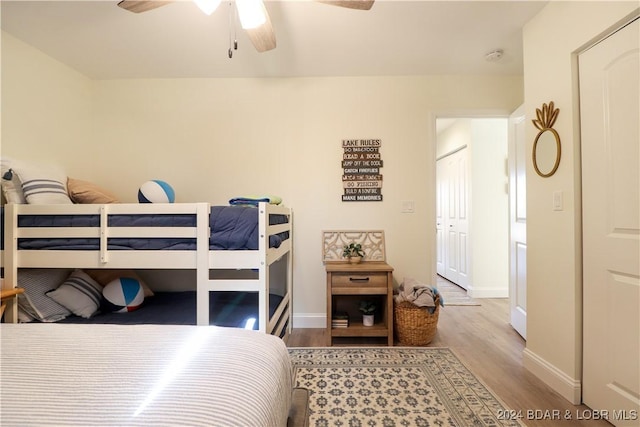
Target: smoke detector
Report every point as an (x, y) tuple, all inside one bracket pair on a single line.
[(494, 55)]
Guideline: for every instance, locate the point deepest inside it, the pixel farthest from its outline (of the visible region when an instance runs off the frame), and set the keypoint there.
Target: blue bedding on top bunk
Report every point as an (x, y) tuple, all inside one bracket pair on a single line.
[(232, 228)]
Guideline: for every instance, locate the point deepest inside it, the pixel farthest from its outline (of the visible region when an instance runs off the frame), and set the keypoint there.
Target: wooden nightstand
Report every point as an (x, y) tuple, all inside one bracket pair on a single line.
[(347, 285)]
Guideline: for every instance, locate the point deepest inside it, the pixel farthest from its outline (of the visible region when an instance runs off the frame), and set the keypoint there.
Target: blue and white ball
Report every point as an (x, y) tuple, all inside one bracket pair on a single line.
[(156, 191), (123, 295)]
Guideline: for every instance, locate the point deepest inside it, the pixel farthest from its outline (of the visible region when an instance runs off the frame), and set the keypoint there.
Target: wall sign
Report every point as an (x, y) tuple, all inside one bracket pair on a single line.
[(361, 177)]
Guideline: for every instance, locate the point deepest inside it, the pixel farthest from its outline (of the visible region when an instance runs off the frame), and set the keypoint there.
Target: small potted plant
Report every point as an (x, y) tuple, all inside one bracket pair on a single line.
[(367, 308), (353, 252)]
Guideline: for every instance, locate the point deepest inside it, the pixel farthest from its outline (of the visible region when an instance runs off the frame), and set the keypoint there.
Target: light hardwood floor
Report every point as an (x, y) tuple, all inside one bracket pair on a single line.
[(484, 341)]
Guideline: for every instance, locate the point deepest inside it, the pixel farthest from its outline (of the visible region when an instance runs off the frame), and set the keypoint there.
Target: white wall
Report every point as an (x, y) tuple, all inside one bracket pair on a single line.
[(457, 135), (213, 139), (46, 106), (554, 284), (489, 209)]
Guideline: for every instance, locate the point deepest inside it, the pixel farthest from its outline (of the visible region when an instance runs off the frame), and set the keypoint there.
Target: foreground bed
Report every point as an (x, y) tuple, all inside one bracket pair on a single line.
[(135, 236), (108, 375)]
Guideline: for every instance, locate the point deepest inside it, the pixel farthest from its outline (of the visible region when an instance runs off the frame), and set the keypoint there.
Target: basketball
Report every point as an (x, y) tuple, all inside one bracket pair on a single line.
[(156, 191), (123, 295)]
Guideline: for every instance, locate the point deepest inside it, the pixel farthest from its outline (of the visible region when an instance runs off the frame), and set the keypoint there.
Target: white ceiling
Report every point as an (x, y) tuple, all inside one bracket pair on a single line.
[(103, 41)]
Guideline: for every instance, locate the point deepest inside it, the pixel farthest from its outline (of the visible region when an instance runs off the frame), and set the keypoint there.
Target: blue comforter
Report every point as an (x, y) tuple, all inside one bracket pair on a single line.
[(232, 228), (236, 227)]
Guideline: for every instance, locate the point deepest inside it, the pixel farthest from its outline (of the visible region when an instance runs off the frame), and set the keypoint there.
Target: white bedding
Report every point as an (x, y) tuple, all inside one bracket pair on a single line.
[(113, 375)]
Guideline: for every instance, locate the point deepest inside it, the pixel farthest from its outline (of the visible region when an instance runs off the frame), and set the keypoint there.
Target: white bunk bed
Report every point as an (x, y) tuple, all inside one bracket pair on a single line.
[(202, 259)]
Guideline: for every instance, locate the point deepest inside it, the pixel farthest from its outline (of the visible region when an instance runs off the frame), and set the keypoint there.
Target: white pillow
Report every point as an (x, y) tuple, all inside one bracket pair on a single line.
[(43, 184), (10, 181), (80, 294)]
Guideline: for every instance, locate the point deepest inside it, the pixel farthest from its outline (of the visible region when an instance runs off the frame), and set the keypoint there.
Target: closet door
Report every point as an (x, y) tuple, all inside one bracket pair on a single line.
[(454, 222), (609, 110), (451, 220), (440, 219)]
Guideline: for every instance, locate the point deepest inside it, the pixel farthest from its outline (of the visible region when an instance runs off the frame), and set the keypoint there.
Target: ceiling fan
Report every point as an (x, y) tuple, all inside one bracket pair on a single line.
[(253, 15)]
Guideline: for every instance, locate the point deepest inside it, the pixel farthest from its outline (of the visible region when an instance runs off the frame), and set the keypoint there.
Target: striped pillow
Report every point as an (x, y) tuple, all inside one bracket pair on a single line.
[(34, 301), (80, 294), (43, 185)]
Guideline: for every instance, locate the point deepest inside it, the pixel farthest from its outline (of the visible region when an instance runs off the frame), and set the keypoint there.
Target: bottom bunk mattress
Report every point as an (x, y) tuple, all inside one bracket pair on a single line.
[(139, 375), (232, 309)]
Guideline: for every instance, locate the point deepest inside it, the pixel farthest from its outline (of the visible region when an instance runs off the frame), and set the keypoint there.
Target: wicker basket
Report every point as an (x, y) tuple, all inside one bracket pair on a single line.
[(415, 325)]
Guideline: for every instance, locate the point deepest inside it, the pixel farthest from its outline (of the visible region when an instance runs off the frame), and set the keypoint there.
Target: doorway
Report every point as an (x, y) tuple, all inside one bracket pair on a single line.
[(472, 204)]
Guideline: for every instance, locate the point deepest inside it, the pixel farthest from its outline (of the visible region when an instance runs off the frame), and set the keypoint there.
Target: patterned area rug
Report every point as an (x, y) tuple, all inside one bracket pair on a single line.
[(394, 386), (454, 294)]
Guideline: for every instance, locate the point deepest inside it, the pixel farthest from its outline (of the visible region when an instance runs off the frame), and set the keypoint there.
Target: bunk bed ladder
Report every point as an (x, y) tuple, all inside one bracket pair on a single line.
[(206, 285), (281, 323), (259, 260)]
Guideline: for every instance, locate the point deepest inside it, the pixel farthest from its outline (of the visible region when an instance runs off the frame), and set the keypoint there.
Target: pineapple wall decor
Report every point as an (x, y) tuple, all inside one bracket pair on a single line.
[(546, 146)]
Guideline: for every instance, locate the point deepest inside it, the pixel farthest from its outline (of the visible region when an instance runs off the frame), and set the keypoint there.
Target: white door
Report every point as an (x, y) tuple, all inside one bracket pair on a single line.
[(451, 218), (452, 222), (461, 169), (517, 223), (610, 115), (440, 194)]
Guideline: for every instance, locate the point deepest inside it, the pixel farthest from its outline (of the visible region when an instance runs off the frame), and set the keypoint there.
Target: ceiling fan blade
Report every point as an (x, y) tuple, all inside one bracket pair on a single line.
[(138, 6), (263, 37), (351, 4)]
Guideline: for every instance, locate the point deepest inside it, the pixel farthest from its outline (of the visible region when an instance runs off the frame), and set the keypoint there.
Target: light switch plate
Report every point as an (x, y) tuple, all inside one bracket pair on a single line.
[(408, 206), (557, 201)]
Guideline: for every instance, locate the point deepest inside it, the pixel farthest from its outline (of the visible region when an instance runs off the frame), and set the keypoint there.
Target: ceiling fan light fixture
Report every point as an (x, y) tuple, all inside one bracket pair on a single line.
[(208, 6), (251, 13)]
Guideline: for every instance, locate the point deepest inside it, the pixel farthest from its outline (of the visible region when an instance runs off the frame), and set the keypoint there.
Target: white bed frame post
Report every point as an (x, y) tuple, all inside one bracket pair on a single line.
[(263, 269), (202, 264), (10, 254), (104, 234), (290, 274)]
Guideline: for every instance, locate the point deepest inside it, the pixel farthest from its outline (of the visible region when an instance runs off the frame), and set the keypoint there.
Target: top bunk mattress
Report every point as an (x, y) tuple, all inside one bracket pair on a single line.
[(232, 228)]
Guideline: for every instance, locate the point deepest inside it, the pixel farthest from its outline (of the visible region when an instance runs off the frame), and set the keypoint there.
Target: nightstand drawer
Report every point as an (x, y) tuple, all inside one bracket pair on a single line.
[(350, 280), (347, 286)]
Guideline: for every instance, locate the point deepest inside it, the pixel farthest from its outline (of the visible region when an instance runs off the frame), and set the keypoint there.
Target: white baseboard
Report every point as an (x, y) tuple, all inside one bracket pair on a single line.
[(309, 320), (563, 384), (475, 292)]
